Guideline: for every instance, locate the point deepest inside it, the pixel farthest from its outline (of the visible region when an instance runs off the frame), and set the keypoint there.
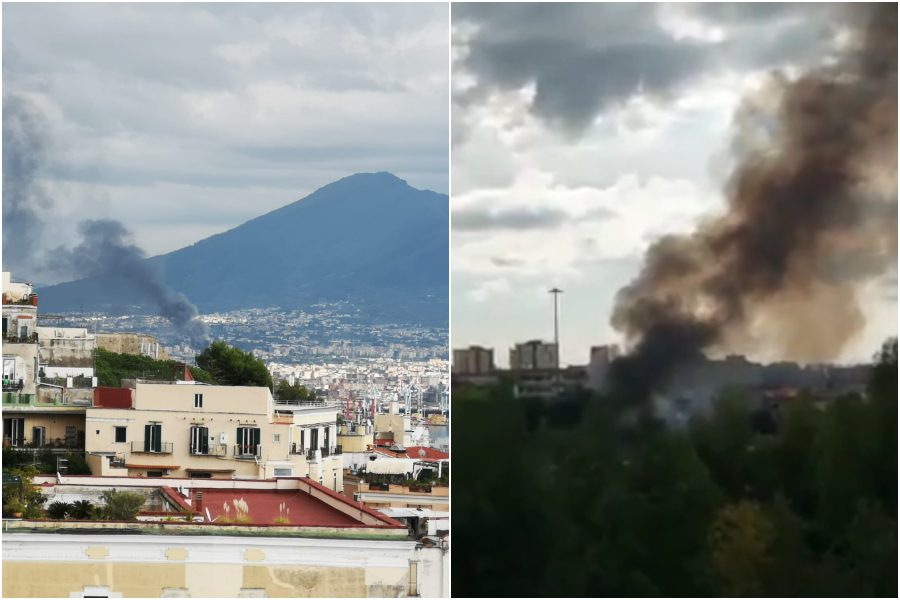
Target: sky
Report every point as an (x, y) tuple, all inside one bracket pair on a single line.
[(584, 132), (185, 120)]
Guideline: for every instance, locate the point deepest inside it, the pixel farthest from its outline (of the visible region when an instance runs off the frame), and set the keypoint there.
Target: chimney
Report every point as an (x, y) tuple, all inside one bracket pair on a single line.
[(198, 503)]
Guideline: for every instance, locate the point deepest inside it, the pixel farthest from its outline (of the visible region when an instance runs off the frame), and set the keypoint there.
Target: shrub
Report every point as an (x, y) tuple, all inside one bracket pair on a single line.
[(59, 510), (82, 510), (121, 506)]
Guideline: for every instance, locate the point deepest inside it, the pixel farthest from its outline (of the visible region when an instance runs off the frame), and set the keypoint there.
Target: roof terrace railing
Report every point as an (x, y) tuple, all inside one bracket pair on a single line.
[(159, 448)]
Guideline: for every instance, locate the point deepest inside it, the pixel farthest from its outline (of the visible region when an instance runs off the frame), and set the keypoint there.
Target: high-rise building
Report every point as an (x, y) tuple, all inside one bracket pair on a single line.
[(533, 355), (473, 360)]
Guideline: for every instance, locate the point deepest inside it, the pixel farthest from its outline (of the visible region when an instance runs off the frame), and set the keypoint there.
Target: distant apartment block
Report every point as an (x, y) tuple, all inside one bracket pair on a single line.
[(533, 355), (202, 431), (473, 360)]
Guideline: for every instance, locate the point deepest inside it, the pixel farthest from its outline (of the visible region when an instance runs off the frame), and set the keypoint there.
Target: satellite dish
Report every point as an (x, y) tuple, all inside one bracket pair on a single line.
[(422, 453)]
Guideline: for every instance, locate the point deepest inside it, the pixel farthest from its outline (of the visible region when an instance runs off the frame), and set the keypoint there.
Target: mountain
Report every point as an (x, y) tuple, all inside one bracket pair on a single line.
[(370, 239)]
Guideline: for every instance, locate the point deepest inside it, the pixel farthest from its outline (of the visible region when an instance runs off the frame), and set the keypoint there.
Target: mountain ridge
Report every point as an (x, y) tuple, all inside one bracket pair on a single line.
[(368, 238)]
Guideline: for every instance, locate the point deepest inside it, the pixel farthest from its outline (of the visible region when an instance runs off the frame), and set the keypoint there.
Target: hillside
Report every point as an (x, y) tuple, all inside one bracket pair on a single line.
[(370, 239)]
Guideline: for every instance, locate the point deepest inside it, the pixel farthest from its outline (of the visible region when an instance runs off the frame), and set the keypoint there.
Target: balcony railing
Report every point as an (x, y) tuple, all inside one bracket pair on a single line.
[(338, 450), (20, 339), (244, 451), (297, 449), (219, 450), (311, 455), (161, 448), (324, 450), (15, 398), (13, 386)]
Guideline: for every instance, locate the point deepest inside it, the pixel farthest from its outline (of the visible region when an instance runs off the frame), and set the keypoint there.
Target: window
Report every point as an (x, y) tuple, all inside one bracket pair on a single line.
[(199, 440), (120, 435), (14, 431), (153, 437), (314, 439), (198, 400), (287, 472), (200, 475), (276, 438), (155, 473), (302, 440), (247, 441), (38, 436)]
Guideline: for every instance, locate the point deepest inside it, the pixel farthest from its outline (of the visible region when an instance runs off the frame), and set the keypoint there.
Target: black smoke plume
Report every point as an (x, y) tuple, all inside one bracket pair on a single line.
[(23, 196), (811, 214), (104, 247)]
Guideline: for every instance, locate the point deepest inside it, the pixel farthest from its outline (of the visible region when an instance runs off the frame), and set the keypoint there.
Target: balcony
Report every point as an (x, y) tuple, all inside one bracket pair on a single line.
[(338, 450), (297, 449), (245, 452), (161, 448), (218, 450), (13, 386), (9, 338)]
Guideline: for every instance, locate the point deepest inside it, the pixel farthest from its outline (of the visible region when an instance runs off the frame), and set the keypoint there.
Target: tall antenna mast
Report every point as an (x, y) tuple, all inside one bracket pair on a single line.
[(556, 292)]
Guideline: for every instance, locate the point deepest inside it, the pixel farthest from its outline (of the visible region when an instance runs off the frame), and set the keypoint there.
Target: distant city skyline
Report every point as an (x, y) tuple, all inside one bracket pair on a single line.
[(584, 132), (185, 120)]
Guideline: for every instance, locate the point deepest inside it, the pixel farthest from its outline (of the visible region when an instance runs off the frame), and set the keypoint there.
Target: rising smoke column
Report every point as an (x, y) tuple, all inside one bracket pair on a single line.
[(23, 196), (104, 247), (811, 214)]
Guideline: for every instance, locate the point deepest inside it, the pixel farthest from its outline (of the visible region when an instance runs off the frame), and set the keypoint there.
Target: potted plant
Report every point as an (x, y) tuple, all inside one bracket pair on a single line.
[(14, 508)]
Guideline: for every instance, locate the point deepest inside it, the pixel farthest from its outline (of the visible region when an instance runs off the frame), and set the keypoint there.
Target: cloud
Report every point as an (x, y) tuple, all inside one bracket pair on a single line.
[(585, 59), (216, 99), (477, 219)]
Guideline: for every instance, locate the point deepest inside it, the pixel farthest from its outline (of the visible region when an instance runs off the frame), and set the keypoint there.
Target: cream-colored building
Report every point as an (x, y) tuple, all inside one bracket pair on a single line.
[(397, 426), (66, 353), (138, 344), (355, 437), (185, 429)]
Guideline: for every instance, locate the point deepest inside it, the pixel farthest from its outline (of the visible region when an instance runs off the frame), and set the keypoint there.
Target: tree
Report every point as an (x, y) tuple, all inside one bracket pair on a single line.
[(740, 538), (286, 391), (232, 366)]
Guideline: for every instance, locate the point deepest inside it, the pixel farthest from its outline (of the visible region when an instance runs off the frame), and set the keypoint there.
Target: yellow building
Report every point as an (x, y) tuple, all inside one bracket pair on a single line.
[(183, 429), (326, 546), (356, 438)]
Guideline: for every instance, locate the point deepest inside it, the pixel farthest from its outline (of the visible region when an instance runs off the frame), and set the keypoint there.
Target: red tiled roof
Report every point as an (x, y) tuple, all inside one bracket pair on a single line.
[(264, 507), (415, 452), (429, 453), (357, 505)]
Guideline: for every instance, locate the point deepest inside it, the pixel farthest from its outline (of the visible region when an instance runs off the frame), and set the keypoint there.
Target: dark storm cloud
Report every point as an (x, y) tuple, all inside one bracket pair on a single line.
[(584, 58)]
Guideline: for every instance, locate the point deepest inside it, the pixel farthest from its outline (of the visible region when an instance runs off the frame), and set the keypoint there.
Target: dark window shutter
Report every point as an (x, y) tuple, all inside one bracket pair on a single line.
[(147, 436), (204, 440)]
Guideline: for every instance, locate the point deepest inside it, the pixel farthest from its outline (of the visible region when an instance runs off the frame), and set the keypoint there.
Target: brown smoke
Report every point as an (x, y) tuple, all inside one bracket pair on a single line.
[(811, 214)]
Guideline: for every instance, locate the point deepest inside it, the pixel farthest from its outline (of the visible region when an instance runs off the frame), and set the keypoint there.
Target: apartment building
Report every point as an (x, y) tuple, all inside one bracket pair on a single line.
[(191, 430)]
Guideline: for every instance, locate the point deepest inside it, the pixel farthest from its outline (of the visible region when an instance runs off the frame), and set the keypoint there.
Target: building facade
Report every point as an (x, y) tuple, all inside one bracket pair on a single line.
[(473, 360), (533, 355), (184, 429)]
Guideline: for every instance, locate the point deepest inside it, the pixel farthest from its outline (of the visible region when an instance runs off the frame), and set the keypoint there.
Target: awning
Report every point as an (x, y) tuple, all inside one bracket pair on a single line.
[(152, 467), (390, 466), (210, 470)]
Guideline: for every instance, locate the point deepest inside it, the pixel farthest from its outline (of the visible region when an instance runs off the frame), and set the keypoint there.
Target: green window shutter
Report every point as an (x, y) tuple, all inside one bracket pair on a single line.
[(147, 435)]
